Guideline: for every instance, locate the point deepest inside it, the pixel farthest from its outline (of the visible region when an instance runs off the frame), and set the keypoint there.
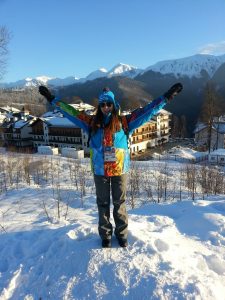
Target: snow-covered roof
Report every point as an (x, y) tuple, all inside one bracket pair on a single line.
[(199, 127), (2, 118), (83, 106), (219, 119), (221, 128), (218, 152), (59, 122), (52, 114), (183, 152), (166, 112), (21, 123), (9, 109)]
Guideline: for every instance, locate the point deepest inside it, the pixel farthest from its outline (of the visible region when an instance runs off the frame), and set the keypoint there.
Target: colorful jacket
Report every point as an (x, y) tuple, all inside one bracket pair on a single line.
[(109, 153)]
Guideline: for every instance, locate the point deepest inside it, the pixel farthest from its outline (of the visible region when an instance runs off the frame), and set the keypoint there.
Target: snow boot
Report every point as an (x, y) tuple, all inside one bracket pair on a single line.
[(107, 243), (122, 242)]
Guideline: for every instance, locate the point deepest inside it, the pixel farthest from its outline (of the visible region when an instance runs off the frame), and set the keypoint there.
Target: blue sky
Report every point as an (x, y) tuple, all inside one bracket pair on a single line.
[(60, 38)]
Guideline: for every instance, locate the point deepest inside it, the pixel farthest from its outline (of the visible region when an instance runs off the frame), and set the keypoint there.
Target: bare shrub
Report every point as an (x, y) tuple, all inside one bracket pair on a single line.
[(133, 184)]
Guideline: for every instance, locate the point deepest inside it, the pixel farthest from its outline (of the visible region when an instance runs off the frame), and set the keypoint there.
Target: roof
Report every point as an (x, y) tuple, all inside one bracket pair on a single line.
[(163, 111), (2, 118), (218, 152), (59, 122), (9, 109), (21, 123), (221, 127), (83, 106), (199, 127)]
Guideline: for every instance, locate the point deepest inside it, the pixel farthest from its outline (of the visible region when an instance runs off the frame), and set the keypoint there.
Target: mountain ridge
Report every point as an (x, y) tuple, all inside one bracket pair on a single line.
[(133, 91), (191, 66)]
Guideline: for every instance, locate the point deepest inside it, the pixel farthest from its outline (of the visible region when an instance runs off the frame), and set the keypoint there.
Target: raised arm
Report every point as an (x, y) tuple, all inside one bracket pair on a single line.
[(80, 118), (144, 114)]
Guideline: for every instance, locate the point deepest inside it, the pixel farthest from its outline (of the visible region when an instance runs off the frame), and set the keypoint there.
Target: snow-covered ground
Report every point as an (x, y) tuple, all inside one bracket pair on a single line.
[(182, 154), (176, 249)]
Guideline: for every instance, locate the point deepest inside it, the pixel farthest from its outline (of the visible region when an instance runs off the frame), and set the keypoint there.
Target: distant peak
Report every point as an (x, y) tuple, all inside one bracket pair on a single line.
[(121, 68), (103, 70), (44, 78)]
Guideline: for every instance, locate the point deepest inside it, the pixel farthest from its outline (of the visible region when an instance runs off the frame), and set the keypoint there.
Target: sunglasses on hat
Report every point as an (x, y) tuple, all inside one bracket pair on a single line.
[(108, 104)]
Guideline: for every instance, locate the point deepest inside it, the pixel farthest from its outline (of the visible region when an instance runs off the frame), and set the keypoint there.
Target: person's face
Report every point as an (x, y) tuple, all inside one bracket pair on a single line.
[(106, 107)]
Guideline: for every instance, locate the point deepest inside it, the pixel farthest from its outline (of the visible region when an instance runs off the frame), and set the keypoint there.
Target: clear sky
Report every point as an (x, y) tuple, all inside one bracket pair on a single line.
[(60, 38)]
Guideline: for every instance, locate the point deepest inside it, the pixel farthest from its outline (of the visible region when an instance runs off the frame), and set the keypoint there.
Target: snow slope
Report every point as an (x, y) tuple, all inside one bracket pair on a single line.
[(176, 250)]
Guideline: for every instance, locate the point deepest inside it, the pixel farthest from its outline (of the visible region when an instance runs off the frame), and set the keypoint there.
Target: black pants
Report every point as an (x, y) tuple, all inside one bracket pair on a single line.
[(117, 185)]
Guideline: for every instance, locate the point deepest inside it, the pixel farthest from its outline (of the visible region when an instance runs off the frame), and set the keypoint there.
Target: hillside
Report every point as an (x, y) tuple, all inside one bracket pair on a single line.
[(27, 98)]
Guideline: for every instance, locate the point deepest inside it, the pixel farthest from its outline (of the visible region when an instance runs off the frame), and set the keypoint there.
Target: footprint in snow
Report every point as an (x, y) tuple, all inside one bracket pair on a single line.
[(161, 245), (81, 234)]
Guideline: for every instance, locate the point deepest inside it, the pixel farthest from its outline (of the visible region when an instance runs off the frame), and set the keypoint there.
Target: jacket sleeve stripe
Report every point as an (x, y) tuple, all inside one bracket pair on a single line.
[(79, 118)]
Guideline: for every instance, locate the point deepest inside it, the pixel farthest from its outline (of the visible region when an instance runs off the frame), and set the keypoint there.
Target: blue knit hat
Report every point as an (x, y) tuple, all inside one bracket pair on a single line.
[(108, 96)]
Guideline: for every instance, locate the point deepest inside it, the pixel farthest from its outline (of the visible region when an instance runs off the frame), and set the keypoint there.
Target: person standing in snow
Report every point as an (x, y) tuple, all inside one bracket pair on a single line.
[(108, 133)]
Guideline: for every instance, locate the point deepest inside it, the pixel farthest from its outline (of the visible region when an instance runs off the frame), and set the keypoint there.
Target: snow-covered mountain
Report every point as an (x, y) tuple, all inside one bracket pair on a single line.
[(96, 74), (189, 66), (118, 70), (32, 82), (24, 83), (62, 82), (124, 70)]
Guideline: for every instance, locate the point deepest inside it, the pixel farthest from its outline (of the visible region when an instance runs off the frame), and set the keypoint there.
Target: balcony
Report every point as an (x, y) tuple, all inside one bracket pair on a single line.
[(142, 140), (37, 139), (164, 134), (60, 134), (144, 132), (16, 139), (37, 133), (164, 128)]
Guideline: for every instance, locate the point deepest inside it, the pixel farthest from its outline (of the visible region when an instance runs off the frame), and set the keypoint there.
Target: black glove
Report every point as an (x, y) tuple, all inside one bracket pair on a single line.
[(173, 91), (46, 93)]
